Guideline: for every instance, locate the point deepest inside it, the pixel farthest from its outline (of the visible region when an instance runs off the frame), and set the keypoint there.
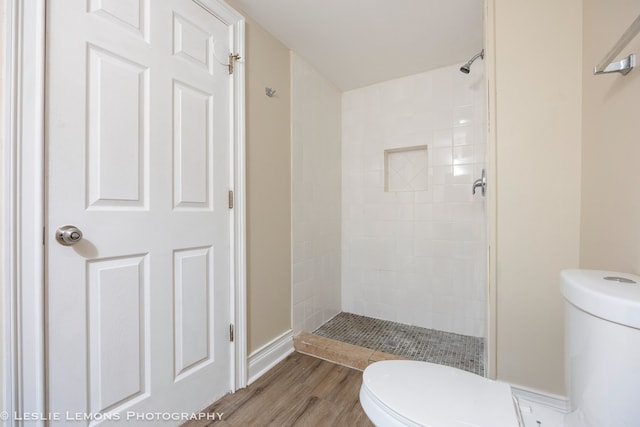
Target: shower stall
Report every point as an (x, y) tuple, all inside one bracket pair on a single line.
[(411, 235)]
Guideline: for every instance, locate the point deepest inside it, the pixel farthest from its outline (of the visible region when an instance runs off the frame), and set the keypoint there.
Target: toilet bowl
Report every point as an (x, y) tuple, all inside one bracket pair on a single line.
[(602, 347)]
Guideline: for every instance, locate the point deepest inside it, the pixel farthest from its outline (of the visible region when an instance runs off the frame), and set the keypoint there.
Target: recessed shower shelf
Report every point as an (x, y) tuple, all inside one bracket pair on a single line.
[(406, 169), (623, 66)]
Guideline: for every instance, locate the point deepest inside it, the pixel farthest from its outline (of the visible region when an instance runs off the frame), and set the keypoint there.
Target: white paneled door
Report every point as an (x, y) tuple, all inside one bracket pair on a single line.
[(138, 155)]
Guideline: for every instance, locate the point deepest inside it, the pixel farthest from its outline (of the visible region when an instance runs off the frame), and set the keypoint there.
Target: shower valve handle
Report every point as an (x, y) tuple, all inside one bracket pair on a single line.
[(480, 182)]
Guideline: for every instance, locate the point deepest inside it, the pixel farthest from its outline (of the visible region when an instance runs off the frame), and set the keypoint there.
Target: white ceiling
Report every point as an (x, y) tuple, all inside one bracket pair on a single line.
[(355, 43)]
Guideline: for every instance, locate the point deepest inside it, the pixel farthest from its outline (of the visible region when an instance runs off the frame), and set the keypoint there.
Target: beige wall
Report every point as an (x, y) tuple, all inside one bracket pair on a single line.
[(538, 59), (610, 223), (268, 187)]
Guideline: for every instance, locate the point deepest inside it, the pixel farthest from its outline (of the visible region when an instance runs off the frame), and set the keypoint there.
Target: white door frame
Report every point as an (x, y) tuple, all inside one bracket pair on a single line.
[(491, 346), (22, 369)]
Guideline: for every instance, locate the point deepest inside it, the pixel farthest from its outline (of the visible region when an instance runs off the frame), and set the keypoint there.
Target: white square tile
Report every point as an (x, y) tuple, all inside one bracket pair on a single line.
[(479, 153), (462, 174), (424, 248), (422, 266), (463, 115), (424, 196), (403, 229), (463, 135), (423, 211), (444, 249), (404, 248), (463, 154), (405, 197), (443, 231), (443, 137), (424, 229), (441, 156), (405, 212), (442, 212), (441, 175), (442, 117)]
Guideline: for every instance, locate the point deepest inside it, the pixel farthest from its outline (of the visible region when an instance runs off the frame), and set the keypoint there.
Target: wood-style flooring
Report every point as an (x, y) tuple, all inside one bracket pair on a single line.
[(300, 391)]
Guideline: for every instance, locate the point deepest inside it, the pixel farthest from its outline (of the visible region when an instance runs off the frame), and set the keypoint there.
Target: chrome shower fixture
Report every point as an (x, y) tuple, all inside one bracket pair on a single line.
[(467, 67)]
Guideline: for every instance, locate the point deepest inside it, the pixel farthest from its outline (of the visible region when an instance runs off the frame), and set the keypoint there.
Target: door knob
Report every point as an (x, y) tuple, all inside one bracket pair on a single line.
[(480, 182), (68, 235)]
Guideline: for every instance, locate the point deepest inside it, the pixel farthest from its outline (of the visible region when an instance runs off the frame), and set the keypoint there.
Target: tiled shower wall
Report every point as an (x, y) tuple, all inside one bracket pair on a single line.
[(416, 256), (316, 206)]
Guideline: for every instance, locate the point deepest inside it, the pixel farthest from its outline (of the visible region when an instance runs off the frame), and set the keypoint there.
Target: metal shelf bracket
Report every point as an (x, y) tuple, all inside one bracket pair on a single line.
[(623, 66)]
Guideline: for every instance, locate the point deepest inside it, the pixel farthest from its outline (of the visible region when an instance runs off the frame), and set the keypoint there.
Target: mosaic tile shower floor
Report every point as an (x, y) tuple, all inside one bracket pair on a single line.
[(411, 342)]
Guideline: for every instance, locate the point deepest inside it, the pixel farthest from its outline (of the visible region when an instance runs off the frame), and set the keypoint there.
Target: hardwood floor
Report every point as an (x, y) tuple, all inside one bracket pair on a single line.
[(300, 391)]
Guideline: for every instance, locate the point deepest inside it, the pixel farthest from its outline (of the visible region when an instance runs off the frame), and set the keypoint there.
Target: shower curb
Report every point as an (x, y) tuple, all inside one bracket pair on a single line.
[(349, 355)]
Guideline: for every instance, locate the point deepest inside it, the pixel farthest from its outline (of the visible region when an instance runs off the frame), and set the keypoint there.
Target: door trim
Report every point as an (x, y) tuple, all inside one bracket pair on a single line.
[(23, 208), (23, 194), (491, 346)]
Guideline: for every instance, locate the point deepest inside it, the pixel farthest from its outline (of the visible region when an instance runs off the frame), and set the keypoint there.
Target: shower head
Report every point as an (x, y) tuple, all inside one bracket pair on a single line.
[(467, 67)]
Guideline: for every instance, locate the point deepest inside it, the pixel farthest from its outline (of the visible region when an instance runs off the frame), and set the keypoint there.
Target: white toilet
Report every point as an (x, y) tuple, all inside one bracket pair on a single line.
[(602, 360)]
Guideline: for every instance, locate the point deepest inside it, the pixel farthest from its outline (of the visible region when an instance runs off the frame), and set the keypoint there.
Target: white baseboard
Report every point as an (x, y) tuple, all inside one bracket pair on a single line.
[(267, 356), (551, 401)]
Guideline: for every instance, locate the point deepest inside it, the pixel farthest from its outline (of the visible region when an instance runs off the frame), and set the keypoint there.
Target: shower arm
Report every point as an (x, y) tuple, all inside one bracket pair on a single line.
[(476, 56)]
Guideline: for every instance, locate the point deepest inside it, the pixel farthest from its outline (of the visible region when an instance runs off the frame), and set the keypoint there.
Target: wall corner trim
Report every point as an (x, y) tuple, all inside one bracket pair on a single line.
[(270, 354)]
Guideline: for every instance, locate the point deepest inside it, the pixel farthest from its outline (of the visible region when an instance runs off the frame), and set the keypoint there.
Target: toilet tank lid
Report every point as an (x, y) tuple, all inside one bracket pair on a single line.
[(613, 300)]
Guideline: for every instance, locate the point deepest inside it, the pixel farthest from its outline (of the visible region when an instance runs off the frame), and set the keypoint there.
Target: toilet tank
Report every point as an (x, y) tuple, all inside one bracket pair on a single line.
[(602, 347)]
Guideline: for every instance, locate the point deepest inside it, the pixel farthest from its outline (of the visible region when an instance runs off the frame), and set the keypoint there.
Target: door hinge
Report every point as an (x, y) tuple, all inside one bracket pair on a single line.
[(233, 58), (230, 199), (231, 332)]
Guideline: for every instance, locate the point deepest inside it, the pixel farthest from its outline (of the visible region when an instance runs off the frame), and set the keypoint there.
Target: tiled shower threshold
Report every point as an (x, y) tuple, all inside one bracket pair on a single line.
[(383, 339)]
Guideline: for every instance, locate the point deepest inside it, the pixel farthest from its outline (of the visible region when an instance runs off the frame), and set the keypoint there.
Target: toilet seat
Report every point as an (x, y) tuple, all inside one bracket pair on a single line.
[(411, 393)]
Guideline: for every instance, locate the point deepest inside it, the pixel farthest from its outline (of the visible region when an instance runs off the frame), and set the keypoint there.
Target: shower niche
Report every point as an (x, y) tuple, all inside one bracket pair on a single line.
[(406, 169)]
